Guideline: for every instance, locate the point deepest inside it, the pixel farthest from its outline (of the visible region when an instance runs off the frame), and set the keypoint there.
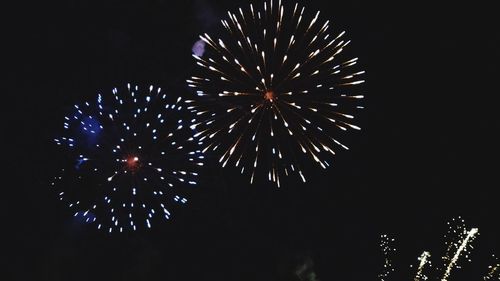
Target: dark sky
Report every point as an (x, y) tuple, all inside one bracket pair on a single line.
[(428, 150)]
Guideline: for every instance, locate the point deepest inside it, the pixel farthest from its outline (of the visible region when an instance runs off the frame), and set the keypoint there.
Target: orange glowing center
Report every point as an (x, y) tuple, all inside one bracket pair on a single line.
[(270, 96), (133, 163)]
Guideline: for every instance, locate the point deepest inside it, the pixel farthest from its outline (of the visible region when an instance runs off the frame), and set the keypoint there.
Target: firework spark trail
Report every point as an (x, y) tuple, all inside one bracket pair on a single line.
[(459, 241), (424, 260), (274, 89), (463, 245), (388, 250), (493, 270), (126, 157)]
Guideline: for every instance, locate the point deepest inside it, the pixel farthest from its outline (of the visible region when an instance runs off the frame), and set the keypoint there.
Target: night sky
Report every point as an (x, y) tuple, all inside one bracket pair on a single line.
[(427, 151)]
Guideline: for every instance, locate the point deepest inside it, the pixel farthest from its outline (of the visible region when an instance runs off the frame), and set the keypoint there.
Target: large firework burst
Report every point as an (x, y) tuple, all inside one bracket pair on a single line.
[(126, 159), (276, 87), (458, 243)]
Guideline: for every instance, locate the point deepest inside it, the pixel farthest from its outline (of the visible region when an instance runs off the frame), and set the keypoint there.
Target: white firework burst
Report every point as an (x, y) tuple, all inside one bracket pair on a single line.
[(276, 89)]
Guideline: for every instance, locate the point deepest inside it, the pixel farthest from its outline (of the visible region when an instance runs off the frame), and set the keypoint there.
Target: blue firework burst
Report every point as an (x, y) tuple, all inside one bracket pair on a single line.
[(127, 160)]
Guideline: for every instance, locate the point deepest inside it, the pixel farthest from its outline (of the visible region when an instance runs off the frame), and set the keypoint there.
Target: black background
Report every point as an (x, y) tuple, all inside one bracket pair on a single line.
[(428, 150)]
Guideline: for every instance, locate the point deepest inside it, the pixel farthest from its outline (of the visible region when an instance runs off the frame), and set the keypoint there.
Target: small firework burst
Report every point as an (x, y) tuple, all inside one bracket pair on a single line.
[(423, 261), (126, 159), (276, 88), (493, 270), (388, 250), (458, 243)]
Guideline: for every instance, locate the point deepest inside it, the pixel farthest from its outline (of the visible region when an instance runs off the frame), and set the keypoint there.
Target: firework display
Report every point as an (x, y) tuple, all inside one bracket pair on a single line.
[(126, 159), (278, 88), (388, 250), (458, 243)]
